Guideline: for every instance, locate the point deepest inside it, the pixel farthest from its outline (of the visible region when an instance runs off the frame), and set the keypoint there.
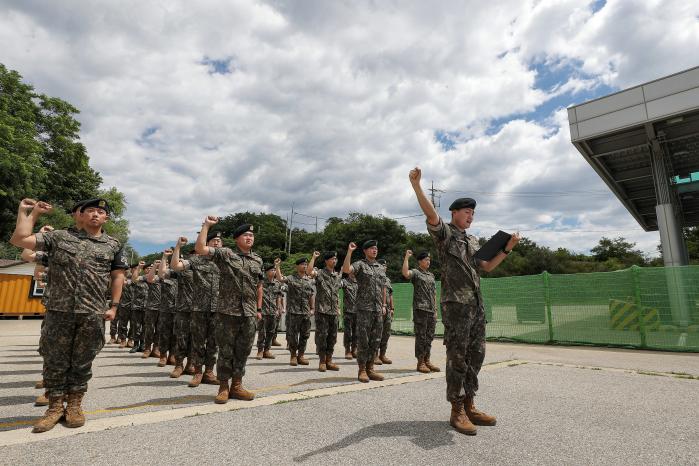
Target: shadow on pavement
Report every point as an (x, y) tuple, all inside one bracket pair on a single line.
[(292, 369), (140, 374), (427, 435), (131, 364), (16, 400), (22, 372), (20, 384), (35, 361)]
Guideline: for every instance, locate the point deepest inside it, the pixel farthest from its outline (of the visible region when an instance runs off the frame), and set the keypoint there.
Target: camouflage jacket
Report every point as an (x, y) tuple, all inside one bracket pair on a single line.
[(80, 271), (206, 283), (460, 279), (271, 291), (240, 275), (349, 295), (298, 295), (371, 281), (155, 293), (424, 289), (328, 285), (185, 289), (168, 297), (126, 295), (139, 294)]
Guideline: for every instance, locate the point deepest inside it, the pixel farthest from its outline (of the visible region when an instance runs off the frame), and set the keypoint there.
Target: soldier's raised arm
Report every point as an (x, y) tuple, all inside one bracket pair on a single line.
[(278, 271), (310, 271), (27, 214), (200, 246), (137, 271), (175, 261), (427, 208), (406, 265), (347, 264)]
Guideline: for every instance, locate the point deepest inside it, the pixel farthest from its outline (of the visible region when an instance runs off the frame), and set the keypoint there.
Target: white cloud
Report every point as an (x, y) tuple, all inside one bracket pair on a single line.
[(329, 104)]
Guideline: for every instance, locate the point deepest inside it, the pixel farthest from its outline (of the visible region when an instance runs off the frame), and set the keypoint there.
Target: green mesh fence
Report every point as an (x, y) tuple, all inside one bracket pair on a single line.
[(654, 308)]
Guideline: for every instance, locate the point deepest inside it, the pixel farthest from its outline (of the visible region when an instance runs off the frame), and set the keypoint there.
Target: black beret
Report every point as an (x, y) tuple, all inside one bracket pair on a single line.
[(327, 255), (370, 244), (212, 235), (267, 266), (422, 255), (463, 203), (302, 260), (97, 202), (244, 228), (381, 261)]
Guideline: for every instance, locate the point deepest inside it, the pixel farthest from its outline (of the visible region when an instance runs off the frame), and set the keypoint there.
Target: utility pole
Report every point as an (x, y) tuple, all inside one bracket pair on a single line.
[(436, 191), (291, 226), (316, 224)]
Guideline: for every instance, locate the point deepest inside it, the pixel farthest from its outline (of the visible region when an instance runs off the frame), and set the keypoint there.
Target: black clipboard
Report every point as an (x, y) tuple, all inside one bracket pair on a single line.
[(493, 246)]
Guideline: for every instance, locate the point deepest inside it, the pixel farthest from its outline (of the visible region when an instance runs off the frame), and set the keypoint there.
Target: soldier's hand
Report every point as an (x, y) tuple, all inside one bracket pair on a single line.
[(277, 261), (157, 262), (313, 311), (259, 316), (168, 252), (383, 311), (141, 264), (110, 314), (415, 176), (408, 253), (210, 220), (182, 241), (42, 207), (45, 228), (26, 205), (351, 247), (514, 239), (316, 254)]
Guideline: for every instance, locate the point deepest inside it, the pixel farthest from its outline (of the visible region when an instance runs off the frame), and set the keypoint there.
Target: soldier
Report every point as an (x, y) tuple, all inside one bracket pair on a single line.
[(168, 306), (371, 306), (204, 305), (124, 311), (424, 308), (150, 319), (462, 304), (349, 316), (85, 264), (239, 306), (327, 304), (139, 296), (271, 308), (381, 357), (183, 314), (300, 309), (278, 319)]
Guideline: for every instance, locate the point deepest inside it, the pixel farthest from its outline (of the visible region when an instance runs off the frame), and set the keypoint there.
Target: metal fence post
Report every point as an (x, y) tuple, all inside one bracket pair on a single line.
[(547, 300), (635, 271)]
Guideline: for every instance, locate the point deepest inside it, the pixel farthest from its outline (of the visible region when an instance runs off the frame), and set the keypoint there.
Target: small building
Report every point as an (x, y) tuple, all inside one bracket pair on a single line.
[(20, 294)]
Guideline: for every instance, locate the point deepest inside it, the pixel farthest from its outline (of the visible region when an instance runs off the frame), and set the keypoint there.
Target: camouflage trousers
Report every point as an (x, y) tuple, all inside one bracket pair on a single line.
[(235, 336), (464, 337), (114, 324), (298, 330), (203, 330), (150, 328), (386, 331), (266, 328), (326, 333), (136, 324), (183, 341), (69, 344), (369, 326), (349, 324), (424, 324), (166, 334), (124, 318)]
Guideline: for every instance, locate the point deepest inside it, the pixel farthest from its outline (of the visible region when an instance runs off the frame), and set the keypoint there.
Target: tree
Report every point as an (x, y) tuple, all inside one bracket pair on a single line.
[(618, 249)]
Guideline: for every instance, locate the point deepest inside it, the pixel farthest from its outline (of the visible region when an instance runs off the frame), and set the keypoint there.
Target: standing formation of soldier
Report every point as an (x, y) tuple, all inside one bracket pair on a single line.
[(208, 307)]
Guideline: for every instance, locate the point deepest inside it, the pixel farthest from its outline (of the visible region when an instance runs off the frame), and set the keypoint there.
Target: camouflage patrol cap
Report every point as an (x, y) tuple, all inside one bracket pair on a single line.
[(97, 202), (242, 229), (463, 203)]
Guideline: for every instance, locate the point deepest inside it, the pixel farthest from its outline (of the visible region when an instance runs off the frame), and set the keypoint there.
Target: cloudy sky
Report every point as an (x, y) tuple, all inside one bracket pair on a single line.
[(211, 107)]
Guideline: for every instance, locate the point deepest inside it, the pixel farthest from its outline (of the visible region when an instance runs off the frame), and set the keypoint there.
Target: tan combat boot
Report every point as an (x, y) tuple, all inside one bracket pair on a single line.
[(155, 353), (122, 344), (377, 361), (431, 366), (177, 371), (384, 359), (354, 351), (301, 360), (222, 397), (209, 378), (268, 355), (129, 343), (321, 363), (42, 400), (362, 376), (459, 420), (39, 385), (238, 392), (189, 368), (276, 343), (171, 361), (51, 416), (373, 375), (74, 412), (330, 364), (196, 380), (146, 353), (293, 361), (348, 353), (478, 418), (422, 367), (162, 362), (111, 341), (259, 355)]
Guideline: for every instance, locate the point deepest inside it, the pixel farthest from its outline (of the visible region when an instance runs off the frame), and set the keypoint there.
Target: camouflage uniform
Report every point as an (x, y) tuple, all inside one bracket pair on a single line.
[(271, 292), (328, 285), (349, 315), (202, 326), (424, 312), (183, 314), (125, 309), (150, 319), (237, 309), (166, 322), (139, 296), (298, 312), (462, 309), (73, 331), (370, 300), (387, 318)]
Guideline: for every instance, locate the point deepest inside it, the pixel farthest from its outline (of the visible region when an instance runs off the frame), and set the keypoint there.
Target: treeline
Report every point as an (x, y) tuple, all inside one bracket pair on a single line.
[(272, 240)]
